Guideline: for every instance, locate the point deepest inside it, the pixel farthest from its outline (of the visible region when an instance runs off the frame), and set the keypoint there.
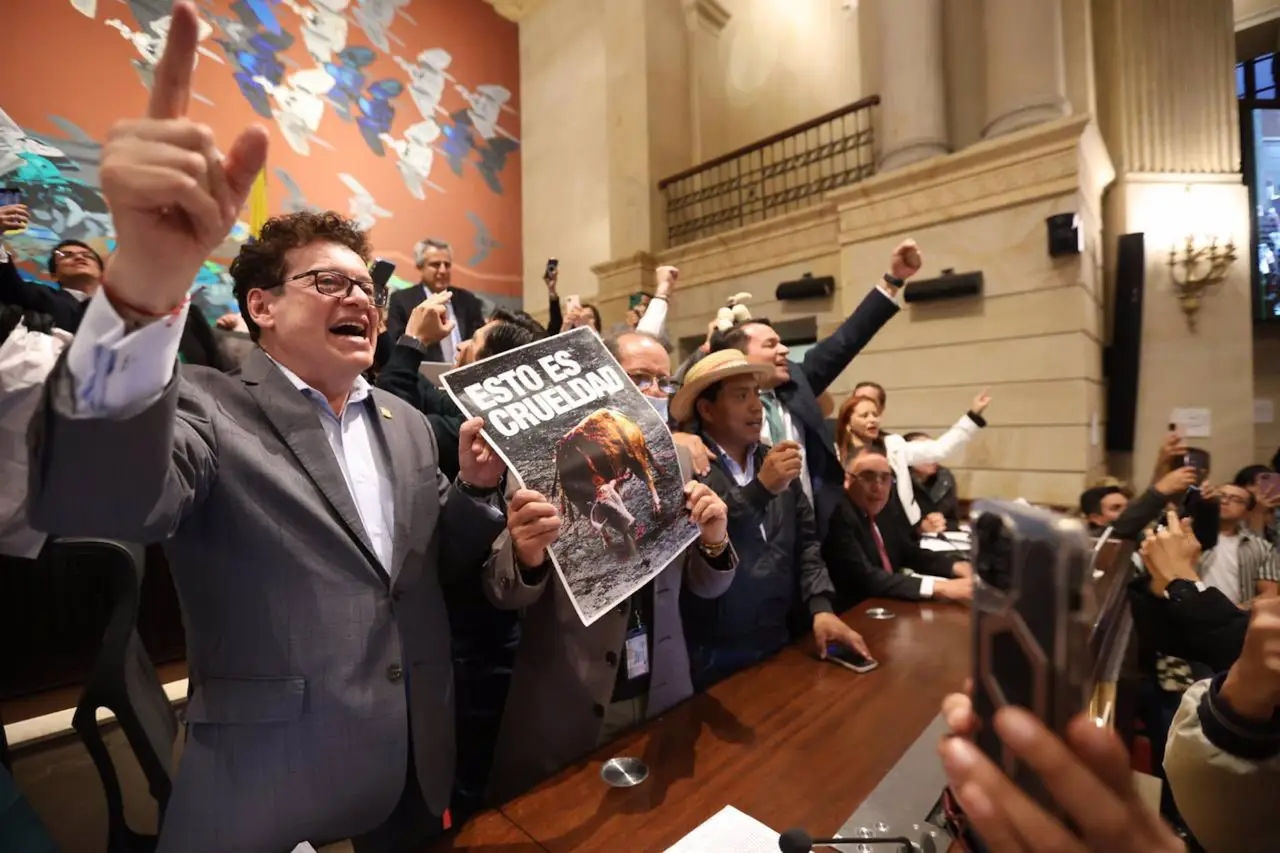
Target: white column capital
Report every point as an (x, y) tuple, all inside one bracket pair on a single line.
[(912, 123), (707, 14), (1026, 64)]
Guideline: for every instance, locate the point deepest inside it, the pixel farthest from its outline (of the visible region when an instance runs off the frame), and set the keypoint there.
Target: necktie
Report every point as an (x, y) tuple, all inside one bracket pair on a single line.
[(884, 554), (773, 417)]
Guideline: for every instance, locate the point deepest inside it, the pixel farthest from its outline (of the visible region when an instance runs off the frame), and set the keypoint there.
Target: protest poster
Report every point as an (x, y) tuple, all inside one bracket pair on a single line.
[(566, 419)]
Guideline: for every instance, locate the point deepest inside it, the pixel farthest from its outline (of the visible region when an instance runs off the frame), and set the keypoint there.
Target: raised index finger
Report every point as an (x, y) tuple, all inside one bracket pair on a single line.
[(171, 86)]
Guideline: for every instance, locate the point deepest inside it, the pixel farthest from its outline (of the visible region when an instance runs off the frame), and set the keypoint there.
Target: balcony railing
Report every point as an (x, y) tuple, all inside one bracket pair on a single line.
[(785, 172)]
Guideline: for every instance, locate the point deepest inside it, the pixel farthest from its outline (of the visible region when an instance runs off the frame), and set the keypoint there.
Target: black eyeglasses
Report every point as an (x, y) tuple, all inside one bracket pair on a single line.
[(63, 254), (874, 478), (339, 286), (644, 382)]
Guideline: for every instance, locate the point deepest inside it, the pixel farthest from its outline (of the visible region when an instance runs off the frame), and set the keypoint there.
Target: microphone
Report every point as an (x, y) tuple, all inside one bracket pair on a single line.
[(798, 841)]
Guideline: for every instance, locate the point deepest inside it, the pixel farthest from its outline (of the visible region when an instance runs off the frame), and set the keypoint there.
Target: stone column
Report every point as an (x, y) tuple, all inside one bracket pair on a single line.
[(1026, 64), (913, 114)]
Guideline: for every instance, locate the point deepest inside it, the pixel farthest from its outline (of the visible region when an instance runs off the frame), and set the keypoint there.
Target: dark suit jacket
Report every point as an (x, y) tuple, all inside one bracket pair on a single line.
[(939, 495), (853, 560), (300, 641), (466, 308), (400, 376), (198, 343), (1204, 627), (565, 671), (822, 365), (781, 582)]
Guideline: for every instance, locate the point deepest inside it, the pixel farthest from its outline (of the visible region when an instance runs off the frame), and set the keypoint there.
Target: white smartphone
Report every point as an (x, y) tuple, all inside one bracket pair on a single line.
[(572, 303), (433, 370)]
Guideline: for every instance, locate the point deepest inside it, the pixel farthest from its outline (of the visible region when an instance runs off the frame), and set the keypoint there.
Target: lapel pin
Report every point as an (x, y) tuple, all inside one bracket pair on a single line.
[(386, 413)]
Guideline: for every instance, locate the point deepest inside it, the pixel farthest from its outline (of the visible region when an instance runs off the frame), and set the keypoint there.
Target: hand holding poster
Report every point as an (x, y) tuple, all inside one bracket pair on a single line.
[(564, 416)]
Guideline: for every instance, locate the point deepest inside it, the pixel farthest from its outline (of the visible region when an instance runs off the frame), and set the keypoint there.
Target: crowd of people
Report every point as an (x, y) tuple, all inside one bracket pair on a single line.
[(376, 640)]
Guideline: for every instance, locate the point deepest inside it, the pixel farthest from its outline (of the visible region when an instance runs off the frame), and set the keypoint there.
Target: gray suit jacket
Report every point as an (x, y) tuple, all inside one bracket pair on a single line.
[(565, 672), (299, 642)]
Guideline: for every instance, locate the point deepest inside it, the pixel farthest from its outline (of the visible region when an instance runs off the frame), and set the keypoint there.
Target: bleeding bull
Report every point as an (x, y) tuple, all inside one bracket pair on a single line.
[(593, 461)]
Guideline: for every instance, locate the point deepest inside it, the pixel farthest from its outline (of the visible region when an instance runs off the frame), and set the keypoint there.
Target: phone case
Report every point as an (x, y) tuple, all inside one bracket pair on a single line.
[(858, 668), (1033, 614)]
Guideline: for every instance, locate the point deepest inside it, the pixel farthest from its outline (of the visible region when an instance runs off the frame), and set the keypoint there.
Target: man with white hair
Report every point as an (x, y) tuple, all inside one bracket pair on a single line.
[(435, 262)]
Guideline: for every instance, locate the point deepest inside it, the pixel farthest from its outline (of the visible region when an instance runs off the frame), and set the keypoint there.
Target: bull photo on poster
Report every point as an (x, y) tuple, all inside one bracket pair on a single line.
[(566, 419)]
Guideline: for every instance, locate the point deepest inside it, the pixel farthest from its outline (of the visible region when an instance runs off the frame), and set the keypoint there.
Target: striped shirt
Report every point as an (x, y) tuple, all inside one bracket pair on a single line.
[(1256, 560)]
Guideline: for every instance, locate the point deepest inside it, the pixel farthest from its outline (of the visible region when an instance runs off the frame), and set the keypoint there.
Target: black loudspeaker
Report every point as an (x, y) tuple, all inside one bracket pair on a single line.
[(806, 287), (1121, 359), (1064, 235), (949, 285)]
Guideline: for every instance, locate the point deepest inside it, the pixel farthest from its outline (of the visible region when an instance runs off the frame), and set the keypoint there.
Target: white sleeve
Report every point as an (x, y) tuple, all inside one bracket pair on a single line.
[(926, 586), (654, 321), (894, 296), (115, 372), (938, 449)]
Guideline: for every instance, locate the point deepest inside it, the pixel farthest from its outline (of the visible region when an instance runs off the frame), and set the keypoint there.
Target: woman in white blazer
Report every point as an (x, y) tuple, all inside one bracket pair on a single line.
[(858, 424)]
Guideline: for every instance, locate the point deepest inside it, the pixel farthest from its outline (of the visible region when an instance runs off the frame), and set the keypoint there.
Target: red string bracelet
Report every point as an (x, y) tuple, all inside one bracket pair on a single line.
[(117, 301)]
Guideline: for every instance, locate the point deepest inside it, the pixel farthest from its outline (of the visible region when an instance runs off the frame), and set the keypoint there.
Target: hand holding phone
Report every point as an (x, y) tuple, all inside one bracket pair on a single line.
[(849, 658), (573, 303), (552, 272), (1269, 487), (1031, 620)]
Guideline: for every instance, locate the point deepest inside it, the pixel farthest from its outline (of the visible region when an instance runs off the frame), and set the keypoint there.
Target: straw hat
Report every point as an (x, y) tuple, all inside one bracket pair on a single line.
[(708, 371)]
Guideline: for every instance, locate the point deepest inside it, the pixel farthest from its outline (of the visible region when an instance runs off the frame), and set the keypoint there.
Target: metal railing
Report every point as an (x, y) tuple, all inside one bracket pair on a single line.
[(779, 174)]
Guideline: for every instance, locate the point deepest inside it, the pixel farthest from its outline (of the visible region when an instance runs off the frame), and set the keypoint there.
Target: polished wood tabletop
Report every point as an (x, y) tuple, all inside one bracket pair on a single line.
[(489, 832), (791, 742)]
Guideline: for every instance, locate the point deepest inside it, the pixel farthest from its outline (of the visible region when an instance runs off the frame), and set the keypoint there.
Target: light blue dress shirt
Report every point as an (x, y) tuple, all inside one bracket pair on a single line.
[(362, 460)]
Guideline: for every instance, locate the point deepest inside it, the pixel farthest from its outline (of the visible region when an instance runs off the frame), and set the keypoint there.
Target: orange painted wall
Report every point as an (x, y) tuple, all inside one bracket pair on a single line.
[(69, 74)]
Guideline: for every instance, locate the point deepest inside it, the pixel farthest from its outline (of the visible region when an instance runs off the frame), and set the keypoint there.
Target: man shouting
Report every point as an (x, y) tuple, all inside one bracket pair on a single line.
[(303, 512)]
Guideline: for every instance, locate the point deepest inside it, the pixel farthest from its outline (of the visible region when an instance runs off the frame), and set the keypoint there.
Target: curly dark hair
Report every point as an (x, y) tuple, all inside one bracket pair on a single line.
[(260, 264)]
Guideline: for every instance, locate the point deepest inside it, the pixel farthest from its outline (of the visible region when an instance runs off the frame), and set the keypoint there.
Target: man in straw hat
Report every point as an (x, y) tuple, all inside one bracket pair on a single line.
[(771, 524)]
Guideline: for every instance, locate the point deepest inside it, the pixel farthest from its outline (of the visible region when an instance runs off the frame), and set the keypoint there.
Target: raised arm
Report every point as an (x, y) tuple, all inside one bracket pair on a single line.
[(938, 449), (824, 363), (120, 448), (654, 321)]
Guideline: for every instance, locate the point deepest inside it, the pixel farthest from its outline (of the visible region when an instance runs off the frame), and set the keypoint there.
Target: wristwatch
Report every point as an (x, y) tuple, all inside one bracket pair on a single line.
[(1181, 590), (472, 490), (892, 279), (407, 340)]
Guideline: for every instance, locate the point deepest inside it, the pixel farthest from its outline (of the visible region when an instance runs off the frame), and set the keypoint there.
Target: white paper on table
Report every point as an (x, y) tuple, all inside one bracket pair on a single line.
[(729, 829), (1193, 423), (1264, 411), (304, 847)]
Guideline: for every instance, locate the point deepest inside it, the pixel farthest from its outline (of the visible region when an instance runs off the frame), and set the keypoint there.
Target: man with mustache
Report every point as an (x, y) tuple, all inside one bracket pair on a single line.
[(304, 514)]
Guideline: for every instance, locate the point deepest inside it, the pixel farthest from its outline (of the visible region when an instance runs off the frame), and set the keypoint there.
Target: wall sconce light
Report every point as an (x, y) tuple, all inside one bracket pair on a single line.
[(1195, 268)]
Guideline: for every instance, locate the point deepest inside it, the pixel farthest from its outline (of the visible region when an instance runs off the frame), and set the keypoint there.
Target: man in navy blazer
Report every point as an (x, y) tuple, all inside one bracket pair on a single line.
[(790, 395), (435, 262)]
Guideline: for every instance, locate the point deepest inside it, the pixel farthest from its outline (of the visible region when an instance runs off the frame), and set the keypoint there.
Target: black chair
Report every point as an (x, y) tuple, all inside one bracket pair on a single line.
[(124, 682)]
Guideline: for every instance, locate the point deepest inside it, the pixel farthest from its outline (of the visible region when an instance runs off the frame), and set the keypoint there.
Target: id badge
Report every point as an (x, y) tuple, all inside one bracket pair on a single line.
[(637, 654)]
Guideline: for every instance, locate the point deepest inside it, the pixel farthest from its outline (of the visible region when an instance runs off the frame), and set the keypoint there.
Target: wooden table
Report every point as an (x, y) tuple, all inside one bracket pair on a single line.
[(791, 742), (490, 832)]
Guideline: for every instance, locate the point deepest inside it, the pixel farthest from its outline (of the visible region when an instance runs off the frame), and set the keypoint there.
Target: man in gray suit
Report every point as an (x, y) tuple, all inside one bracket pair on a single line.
[(575, 686), (303, 512)]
